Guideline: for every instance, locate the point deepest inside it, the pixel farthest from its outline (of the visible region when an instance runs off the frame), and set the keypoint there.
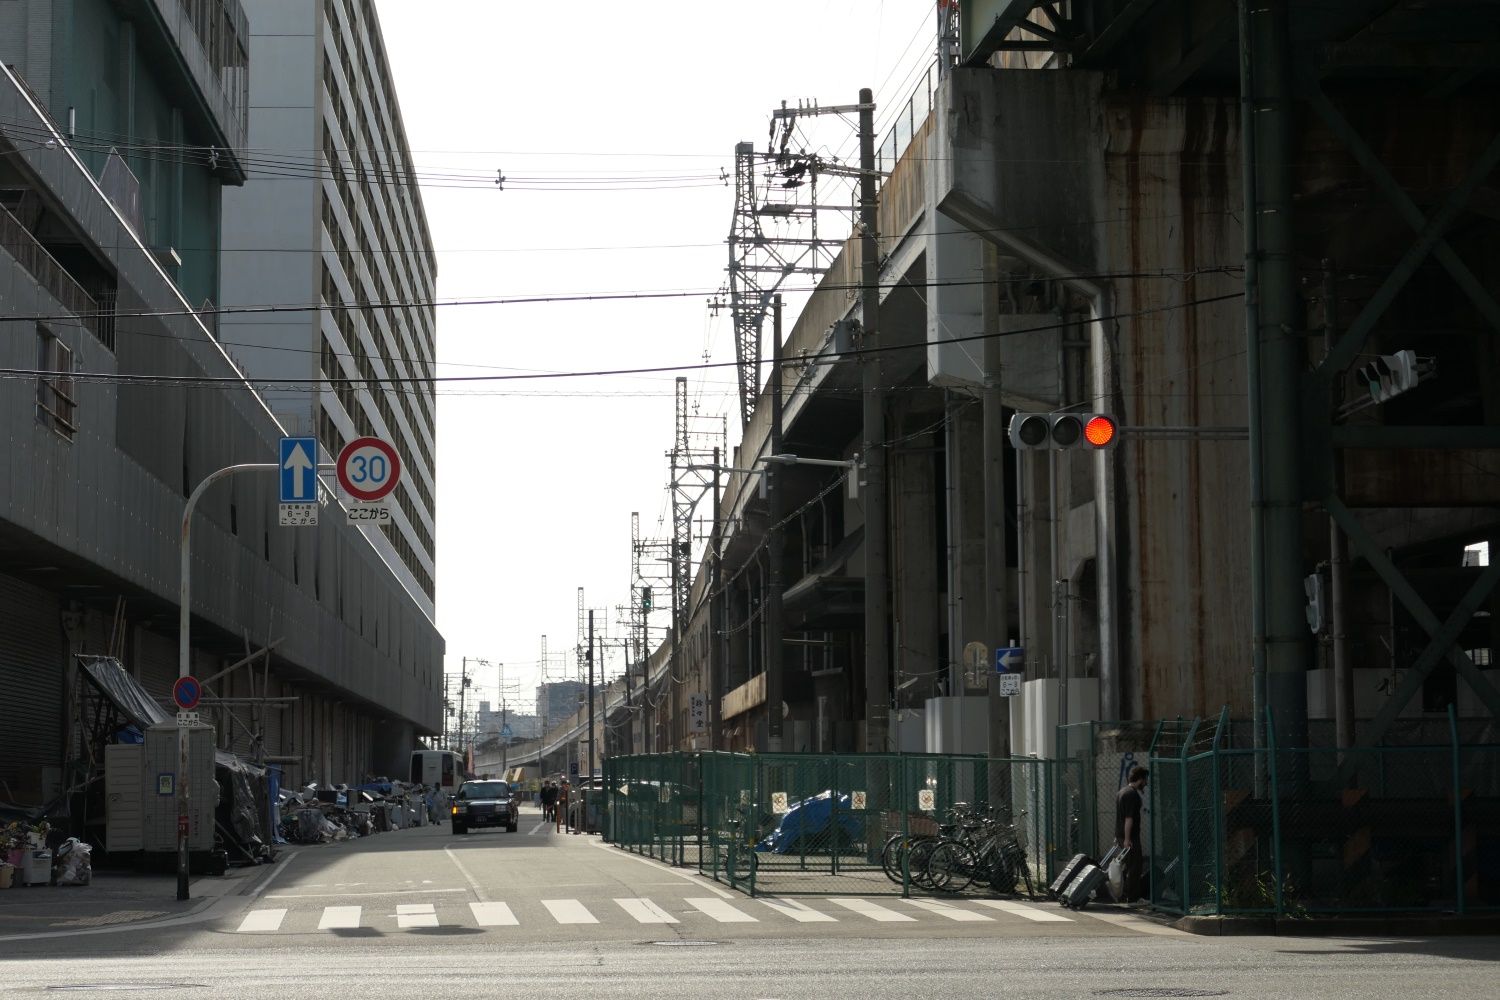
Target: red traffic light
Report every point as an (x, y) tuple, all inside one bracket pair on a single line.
[(1100, 431)]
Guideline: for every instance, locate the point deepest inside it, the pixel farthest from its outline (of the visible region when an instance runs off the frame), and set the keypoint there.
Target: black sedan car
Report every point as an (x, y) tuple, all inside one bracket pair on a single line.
[(484, 803)]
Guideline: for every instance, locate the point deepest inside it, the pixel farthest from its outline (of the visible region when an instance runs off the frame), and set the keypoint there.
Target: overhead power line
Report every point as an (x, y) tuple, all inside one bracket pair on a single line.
[(164, 380)]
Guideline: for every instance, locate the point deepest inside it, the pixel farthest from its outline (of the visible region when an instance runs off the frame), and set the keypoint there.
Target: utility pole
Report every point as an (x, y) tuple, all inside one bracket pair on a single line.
[(877, 601), (997, 603), (775, 720), (715, 618), (463, 690), (590, 776)]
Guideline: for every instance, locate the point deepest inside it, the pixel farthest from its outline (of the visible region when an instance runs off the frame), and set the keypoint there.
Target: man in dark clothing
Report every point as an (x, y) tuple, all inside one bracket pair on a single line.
[(549, 796), (1128, 829)]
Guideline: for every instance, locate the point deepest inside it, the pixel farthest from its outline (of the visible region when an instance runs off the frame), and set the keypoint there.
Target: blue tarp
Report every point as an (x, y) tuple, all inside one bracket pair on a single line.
[(810, 820)]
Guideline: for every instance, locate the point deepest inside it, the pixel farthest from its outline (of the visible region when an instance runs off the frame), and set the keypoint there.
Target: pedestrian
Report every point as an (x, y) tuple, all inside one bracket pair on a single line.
[(561, 808), (1128, 830), (549, 800)]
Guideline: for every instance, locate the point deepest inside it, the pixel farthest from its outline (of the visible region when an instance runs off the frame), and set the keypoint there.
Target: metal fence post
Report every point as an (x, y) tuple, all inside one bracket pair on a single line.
[(1218, 804), (1458, 812), (1276, 852), (902, 804), (834, 811), (1183, 818)]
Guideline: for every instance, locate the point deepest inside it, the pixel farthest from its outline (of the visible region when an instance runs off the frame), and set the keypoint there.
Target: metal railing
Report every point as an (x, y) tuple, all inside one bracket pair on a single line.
[(55, 279), (788, 824)]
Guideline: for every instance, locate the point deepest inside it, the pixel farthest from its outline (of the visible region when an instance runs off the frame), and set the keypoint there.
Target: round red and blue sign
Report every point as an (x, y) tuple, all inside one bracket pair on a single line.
[(186, 692)]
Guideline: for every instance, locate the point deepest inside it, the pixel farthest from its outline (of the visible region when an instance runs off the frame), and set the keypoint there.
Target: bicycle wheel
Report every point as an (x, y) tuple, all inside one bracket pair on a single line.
[(917, 854), (890, 856), (950, 866)]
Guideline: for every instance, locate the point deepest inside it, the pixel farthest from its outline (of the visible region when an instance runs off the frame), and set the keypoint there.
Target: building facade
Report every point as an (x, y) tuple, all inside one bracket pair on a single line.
[(118, 126), (340, 223)]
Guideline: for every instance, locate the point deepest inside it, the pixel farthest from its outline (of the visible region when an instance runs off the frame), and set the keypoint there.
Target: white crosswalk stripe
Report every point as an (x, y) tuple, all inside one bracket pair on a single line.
[(339, 918), (800, 912), (721, 910), (416, 915), (569, 911), (951, 912), (1035, 913), (493, 915), (645, 911), (874, 911), (642, 910), (262, 920)]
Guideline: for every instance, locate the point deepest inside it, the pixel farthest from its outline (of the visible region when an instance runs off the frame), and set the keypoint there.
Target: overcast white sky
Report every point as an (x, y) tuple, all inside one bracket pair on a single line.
[(537, 479)]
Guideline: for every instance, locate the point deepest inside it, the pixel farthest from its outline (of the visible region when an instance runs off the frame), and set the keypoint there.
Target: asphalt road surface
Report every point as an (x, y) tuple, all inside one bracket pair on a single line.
[(425, 913)]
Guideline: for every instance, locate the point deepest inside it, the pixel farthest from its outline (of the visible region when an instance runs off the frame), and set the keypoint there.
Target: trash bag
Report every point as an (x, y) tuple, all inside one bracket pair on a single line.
[(74, 862), (1115, 875)]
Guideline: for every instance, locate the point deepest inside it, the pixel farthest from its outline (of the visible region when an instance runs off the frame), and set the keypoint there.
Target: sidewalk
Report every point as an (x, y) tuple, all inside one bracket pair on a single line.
[(118, 898)]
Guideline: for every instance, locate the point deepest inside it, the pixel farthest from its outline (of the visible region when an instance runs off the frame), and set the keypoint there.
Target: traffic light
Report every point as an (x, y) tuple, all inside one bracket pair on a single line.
[(1317, 602), (646, 599), (1040, 431), (1389, 375)]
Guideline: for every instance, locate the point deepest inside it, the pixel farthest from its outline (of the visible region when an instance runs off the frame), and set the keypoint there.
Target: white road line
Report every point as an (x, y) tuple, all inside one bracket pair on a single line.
[(569, 911), (697, 880), (951, 912), (275, 872), (874, 911), (646, 912), (359, 895), (723, 912), (538, 828), (262, 920), (473, 883), (339, 918), (493, 915), (800, 912), (416, 915), (1036, 913), (1132, 922)]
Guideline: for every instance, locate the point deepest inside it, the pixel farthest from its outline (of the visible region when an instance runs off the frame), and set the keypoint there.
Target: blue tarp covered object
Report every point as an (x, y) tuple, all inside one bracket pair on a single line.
[(810, 820)]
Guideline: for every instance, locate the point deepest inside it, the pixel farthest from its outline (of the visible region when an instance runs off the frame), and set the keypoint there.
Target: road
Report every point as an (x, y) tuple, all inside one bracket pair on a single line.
[(540, 914)]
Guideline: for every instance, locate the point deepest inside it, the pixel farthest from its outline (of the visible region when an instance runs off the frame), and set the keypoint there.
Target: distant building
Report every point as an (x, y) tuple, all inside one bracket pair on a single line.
[(343, 227), (522, 726), (559, 700)]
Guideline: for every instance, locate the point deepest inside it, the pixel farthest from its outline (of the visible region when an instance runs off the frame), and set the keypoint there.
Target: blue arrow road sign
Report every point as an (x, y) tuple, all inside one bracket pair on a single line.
[(299, 469), (1010, 659)]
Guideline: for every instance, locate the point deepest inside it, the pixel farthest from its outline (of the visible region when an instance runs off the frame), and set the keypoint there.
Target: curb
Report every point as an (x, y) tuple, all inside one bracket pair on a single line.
[(1391, 926)]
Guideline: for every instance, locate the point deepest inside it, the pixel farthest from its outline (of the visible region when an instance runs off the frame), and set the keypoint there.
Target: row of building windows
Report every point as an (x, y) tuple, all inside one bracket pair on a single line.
[(397, 181), (345, 320), (396, 148), (397, 319)]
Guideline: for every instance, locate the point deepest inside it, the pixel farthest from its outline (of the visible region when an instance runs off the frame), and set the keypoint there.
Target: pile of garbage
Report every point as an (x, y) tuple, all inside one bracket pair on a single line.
[(318, 815)]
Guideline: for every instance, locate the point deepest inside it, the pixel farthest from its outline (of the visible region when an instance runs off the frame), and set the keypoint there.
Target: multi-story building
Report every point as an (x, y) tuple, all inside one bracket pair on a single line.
[(342, 227), (523, 726), (116, 135), (558, 700)]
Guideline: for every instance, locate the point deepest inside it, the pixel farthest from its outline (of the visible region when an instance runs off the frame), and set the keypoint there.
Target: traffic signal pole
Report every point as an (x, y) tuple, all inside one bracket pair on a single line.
[(877, 601), (997, 595)]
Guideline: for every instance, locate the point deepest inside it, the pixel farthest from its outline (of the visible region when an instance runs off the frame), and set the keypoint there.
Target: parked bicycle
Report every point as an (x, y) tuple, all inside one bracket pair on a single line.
[(985, 849)]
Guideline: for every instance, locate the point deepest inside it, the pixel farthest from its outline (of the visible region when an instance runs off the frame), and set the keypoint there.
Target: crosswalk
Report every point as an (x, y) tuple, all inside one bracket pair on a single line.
[(641, 910)]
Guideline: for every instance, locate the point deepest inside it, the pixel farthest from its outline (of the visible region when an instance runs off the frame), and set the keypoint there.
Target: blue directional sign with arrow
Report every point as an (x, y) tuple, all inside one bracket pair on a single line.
[(1010, 659), (299, 469)]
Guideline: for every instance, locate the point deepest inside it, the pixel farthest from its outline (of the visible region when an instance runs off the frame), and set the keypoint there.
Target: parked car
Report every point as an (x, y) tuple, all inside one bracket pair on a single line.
[(484, 803)]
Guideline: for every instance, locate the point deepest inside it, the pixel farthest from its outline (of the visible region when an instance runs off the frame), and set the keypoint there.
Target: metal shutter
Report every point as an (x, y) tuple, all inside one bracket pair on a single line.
[(32, 654)]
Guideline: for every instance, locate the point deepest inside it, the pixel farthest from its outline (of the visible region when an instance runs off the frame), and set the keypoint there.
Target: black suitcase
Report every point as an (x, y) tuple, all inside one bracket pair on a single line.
[(1066, 875), (1078, 892)]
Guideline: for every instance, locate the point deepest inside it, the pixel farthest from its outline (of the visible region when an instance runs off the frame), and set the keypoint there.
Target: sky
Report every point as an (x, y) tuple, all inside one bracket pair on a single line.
[(614, 126)]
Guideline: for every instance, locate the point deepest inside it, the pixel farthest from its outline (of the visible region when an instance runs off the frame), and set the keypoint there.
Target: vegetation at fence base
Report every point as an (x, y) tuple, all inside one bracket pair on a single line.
[(1255, 892)]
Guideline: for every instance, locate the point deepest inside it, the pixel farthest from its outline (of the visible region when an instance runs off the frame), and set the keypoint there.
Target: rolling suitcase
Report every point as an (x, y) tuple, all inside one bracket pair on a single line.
[(1077, 893), (1066, 875)]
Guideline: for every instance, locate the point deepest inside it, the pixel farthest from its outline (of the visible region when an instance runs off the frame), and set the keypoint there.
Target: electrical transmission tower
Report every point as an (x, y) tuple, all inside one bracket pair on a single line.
[(786, 193), (693, 467)]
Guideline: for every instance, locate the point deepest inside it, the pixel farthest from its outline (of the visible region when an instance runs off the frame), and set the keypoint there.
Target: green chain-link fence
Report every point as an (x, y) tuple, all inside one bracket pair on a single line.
[(866, 824), (1300, 831)]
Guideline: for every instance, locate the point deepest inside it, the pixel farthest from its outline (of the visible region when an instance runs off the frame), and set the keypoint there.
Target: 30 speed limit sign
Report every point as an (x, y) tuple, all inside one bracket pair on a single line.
[(369, 469)]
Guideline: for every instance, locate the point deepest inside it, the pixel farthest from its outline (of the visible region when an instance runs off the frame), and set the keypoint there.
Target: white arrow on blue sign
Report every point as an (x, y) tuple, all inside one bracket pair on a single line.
[(1010, 659), (299, 469)]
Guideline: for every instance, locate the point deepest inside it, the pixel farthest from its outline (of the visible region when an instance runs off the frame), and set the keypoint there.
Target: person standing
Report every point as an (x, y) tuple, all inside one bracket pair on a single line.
[(1128, 829), (549, 797), (560, 808)]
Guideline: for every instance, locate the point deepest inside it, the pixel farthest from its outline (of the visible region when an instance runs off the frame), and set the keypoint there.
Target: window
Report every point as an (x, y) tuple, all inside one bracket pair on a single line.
[(55, 403)]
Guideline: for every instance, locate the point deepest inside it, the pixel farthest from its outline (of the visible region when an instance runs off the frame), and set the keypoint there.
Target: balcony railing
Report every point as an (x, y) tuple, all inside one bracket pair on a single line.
[(55, 279)]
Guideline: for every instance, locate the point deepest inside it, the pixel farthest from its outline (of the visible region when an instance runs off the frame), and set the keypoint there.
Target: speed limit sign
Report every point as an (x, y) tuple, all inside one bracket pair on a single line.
[(368, 469)]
